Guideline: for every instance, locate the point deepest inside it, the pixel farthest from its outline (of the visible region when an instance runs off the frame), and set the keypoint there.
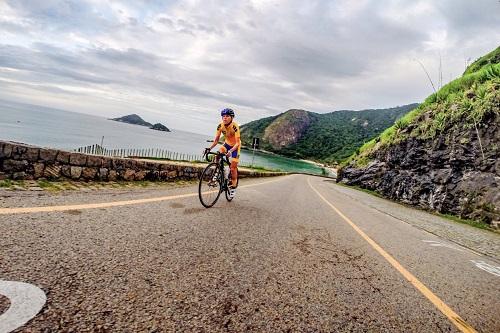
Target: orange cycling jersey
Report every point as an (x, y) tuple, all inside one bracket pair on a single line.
[(231, 133)]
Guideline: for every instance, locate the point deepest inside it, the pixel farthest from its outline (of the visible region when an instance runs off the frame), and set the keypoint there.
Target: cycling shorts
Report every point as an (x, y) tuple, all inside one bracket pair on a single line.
[(235, 155)]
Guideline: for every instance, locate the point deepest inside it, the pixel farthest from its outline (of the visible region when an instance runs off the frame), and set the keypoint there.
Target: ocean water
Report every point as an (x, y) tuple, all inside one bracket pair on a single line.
[(47, 127)]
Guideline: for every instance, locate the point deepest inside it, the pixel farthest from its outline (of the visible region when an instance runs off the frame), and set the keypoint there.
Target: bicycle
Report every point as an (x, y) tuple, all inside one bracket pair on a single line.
[(213, 181)]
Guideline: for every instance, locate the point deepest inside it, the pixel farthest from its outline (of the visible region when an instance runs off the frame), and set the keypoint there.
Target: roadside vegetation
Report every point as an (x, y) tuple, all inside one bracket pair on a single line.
[(65, 185), (461, 104), (472, 223)]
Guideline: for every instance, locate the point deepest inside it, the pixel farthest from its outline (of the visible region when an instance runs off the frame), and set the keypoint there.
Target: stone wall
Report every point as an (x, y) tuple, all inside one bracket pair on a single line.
[(25, 162)]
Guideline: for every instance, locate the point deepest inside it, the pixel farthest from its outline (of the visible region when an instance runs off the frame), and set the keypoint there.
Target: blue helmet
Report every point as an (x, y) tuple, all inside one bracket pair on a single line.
[(227, 112)]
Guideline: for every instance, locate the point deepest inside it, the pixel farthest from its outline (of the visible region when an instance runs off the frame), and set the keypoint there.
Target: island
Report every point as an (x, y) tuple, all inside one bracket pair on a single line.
[(135, 119), (160, 127)]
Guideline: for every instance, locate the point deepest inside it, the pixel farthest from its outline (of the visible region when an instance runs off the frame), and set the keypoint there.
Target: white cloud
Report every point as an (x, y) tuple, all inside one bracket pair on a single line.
[(181, 60)]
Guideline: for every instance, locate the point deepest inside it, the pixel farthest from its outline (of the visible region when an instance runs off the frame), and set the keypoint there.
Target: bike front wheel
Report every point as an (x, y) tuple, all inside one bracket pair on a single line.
[(210, 186)]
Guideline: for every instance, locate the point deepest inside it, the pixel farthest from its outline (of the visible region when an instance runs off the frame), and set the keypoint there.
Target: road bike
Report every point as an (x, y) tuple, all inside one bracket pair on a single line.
[(214, 180)]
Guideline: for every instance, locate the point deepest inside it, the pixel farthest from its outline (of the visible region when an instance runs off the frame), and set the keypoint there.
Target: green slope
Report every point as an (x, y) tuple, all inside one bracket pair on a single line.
[(329, 137), (462, 103)]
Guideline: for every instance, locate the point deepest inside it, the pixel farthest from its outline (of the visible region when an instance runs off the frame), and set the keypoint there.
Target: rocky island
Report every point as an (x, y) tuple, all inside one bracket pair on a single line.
[(135, 119), (160, 127)]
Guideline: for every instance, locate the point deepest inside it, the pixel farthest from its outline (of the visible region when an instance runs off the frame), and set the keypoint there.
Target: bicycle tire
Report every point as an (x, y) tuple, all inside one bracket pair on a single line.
[(206, 185)]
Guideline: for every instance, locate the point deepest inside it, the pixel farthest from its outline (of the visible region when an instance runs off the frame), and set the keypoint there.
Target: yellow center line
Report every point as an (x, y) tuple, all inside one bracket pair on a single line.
[(23, 210), (445, 309)]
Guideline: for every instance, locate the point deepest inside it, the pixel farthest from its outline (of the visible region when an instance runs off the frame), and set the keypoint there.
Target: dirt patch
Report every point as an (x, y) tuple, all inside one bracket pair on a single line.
[(176, 205), (73, 212), (193, 210)]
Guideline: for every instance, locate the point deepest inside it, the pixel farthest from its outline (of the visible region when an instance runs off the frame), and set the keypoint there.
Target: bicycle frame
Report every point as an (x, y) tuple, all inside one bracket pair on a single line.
[(220, 159)]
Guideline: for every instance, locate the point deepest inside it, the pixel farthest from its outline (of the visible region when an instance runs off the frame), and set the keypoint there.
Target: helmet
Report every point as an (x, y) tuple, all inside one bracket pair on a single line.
[(227, 112)]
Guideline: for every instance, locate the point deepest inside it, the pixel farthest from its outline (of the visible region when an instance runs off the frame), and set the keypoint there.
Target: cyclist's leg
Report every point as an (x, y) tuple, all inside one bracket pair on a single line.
[(225, 148), (234, 168)]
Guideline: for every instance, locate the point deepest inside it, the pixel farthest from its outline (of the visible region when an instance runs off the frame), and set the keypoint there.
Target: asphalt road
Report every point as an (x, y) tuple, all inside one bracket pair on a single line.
[(289, 254)]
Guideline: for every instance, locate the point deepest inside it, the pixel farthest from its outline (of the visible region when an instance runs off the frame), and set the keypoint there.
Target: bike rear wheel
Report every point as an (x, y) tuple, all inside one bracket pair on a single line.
[(210, 186)]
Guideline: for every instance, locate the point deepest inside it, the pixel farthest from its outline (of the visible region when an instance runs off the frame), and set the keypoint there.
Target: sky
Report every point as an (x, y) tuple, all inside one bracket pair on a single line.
[(180, 62)]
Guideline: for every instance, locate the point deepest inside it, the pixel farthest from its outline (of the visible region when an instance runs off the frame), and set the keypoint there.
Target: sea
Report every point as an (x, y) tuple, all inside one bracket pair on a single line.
[(54, 128)]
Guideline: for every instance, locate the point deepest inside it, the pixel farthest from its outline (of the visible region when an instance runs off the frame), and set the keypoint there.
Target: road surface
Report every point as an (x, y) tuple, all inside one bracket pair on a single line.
[(289, 254)]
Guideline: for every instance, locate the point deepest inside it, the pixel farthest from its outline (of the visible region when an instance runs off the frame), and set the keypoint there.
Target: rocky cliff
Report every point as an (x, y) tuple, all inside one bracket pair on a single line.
[(287, 129), (443, 156)]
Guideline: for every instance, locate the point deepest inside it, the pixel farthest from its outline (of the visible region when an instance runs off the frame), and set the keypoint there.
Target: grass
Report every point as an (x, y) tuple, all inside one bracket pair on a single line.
[(64, 185), (7, 183), (462, 103), (473, 223), (359, 188)]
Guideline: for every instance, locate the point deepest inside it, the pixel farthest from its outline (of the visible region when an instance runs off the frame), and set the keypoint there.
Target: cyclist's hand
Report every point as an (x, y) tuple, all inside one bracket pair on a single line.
[(228, 154), (206, 151)]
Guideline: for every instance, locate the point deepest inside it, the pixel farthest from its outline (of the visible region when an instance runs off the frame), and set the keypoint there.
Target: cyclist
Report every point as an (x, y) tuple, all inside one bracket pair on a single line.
[(232, 144)]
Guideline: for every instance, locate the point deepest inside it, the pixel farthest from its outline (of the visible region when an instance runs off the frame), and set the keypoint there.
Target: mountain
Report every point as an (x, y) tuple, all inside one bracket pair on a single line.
[(134, 120), (329, 137), (137, 120), (444, 155)]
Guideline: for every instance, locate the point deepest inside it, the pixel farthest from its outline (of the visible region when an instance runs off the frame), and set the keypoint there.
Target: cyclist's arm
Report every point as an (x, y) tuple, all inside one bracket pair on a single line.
[(216, 141)]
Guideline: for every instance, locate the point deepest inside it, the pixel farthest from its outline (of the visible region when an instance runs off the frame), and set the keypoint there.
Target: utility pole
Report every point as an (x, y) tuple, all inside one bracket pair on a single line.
[(255, 145)]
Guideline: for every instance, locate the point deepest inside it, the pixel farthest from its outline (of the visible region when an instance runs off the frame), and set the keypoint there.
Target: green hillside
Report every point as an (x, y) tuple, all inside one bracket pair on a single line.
[(461, 104), (328, 138)]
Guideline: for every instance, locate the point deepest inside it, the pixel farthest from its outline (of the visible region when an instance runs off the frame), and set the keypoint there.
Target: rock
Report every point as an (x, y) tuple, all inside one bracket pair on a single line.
[(446, 174), (78, 159), (19, 175), (54, 172), (103, 173), (94, 161), (6, 152), (107, 162), (15, 166), (29, 153), (63, 156), (112, 175), (128, 174), (89, 173), (66, 171), (441, 176), (48, 155), (38, 170), (141, 175), (17, 151), (76, 172)]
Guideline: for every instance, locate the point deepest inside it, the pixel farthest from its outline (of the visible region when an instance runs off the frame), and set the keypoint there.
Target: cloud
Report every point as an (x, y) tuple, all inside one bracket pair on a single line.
[(174, 58)]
